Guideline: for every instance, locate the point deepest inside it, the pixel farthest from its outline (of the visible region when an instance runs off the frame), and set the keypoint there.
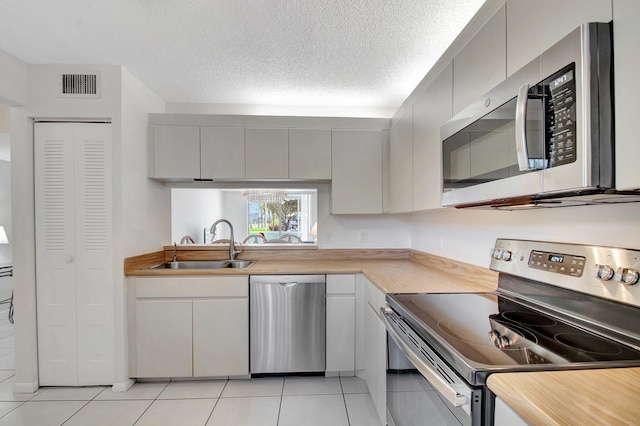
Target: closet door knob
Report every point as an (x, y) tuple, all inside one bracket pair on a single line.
[(69, 259)]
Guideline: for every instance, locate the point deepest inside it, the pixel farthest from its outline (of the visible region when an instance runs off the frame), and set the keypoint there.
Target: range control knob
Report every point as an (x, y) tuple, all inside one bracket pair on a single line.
[(501, 342), (603, 272), (496, 254), (506, 255), (627, 276)]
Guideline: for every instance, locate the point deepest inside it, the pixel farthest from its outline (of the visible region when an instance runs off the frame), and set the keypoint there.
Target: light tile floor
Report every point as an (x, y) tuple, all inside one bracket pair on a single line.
[(283, 401)]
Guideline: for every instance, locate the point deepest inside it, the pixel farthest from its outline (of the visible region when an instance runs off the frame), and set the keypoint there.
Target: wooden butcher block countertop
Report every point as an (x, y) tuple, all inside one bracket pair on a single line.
[(575, 397), (392, 271)]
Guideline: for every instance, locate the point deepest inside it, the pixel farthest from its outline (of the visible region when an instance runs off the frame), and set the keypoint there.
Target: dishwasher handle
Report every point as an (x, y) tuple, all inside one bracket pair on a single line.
[(451, 395)]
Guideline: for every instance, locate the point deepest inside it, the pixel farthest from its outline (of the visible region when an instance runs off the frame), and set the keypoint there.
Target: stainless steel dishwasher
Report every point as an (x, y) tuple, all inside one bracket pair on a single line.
[(287, 317)]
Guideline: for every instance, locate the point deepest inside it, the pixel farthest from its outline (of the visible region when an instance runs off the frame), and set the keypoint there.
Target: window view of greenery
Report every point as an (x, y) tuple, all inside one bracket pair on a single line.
[(286, 222)]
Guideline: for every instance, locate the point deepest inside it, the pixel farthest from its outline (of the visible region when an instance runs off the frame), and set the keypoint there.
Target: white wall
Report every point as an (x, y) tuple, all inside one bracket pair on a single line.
[(236, 211), (145, 203), (142, 218), (193, 209), (42, 101), (5, 197), (13, 81), (468, 235), (5, 220)]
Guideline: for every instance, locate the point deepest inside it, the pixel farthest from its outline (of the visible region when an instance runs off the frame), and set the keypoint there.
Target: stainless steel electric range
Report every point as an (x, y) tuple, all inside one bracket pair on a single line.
[(557, 306)]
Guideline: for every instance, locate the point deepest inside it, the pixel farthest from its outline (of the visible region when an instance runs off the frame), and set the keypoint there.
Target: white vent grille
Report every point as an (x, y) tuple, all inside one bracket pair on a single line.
[(79, 85)]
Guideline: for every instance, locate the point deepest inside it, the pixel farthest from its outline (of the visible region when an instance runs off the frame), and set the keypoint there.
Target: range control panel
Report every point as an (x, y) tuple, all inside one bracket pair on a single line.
[(609, 272), (566, 264)]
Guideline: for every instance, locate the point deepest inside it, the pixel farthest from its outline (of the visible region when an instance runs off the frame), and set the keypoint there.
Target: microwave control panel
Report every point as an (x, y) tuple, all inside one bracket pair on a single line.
[(561, 116)]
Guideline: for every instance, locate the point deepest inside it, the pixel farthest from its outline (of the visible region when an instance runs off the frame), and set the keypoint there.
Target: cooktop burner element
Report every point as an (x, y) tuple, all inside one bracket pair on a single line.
[(537, 319), (586, 343)]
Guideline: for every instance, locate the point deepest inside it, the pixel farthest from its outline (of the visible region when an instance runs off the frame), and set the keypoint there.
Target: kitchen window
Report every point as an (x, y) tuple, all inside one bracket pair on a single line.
[(276, 216)]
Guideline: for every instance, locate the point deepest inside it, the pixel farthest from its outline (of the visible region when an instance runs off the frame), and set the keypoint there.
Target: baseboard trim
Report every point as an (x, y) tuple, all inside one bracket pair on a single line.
[(122, 386), (25, 387)]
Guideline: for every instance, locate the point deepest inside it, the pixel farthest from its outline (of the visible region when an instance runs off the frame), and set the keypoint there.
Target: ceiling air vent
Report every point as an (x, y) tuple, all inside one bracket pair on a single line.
[(79, 85)]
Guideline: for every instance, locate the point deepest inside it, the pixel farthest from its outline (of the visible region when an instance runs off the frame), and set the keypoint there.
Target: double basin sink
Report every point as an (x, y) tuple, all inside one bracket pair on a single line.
[(205, 264)]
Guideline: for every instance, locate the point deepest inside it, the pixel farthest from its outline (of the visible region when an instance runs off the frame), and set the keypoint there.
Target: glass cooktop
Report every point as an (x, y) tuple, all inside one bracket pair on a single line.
[(490, 331)]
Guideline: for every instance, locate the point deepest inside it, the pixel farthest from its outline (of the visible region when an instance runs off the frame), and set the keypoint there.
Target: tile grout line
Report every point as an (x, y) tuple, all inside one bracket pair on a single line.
[(217, 402), (77, 411), (154, 400), (281, 398), (344, 400)]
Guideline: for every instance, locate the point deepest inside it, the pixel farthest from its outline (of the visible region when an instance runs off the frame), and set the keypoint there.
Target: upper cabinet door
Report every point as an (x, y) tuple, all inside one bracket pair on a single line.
[(534, 26), (222, 152), (401, 164), (626, 40), (174, 152), (431, 109), (356, 186), (267, 153), (481, 64), (310, 154)]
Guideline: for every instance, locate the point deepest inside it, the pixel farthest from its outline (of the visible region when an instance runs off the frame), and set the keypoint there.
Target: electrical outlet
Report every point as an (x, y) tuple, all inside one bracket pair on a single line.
[(364, 237), (326, 238)]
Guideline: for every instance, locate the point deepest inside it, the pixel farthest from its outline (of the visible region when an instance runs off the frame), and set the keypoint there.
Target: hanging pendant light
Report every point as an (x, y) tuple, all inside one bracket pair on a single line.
[(265, 195)]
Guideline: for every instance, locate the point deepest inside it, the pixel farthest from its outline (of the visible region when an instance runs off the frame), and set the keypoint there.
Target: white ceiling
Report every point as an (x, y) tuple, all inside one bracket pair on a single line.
[(342, 53)]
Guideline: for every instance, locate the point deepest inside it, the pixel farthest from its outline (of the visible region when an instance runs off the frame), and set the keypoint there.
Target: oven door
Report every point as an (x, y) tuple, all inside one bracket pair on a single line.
[(421, 388)]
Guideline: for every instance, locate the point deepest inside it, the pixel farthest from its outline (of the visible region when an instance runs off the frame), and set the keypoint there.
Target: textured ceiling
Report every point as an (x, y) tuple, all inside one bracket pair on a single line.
[(348, 53)]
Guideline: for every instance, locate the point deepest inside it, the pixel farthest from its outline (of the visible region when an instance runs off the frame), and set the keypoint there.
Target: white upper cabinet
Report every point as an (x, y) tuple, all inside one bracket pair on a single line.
[(401, 163), (356, 158), (626, 39), (222, 152), (267, 153), (310, 154), (431, 109), (174, 152), (481, 64), (534, 26)]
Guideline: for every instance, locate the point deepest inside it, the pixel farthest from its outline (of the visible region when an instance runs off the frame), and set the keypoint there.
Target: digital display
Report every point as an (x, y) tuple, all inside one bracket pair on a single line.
[(556, 258), (563, 79)]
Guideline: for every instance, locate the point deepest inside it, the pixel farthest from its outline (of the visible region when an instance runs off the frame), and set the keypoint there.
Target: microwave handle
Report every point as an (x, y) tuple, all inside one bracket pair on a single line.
[(521, 128)]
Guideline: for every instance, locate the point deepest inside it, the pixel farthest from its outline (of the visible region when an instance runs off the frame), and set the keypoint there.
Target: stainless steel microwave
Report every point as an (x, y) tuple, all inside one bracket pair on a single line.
[(543, 136)]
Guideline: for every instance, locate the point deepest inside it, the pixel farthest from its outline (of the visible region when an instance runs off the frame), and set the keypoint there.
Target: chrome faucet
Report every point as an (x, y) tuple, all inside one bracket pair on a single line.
[(232, 248)]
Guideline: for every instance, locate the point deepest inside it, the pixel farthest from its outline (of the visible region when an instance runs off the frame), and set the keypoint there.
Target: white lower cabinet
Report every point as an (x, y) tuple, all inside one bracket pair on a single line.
[(506, 416), (220, 337), (190, 327), (375, 349), (341, 325), (164, 330)]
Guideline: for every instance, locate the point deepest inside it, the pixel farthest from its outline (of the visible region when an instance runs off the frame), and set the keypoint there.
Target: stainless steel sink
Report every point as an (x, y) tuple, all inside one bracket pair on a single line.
[(205, 264), (240, 264)]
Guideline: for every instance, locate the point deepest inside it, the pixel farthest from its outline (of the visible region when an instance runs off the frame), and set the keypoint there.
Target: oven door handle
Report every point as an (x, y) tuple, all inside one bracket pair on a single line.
[(451, 395)]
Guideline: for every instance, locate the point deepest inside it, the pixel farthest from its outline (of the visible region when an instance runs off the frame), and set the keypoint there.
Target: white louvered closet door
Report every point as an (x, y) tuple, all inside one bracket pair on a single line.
[(74, 253)]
